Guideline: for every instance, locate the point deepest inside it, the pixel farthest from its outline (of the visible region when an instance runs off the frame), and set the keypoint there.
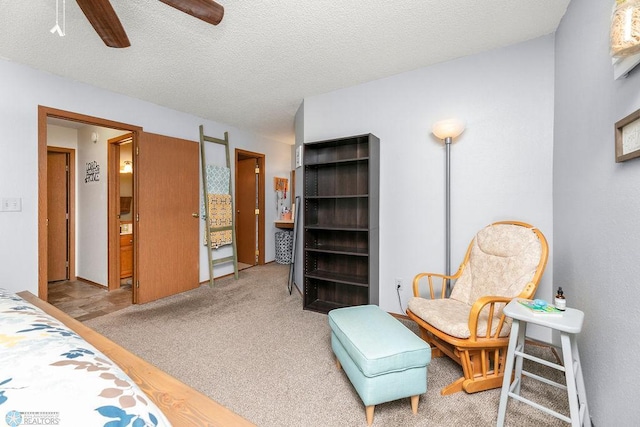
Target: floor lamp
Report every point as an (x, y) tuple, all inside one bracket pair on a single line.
[(446, 130)]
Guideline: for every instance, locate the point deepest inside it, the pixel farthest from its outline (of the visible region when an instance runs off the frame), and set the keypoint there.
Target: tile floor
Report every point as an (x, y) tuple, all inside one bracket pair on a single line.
[(83, 301)]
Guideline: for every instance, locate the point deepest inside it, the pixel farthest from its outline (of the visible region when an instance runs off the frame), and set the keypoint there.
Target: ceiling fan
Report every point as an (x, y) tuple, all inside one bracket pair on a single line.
[(104, 20)]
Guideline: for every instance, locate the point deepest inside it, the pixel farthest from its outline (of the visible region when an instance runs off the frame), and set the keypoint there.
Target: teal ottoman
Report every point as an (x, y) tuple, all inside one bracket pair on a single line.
[(383, 359)]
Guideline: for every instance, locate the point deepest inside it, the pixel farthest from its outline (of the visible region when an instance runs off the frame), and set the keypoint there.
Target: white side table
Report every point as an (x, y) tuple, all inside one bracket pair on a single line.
[(569, 325)]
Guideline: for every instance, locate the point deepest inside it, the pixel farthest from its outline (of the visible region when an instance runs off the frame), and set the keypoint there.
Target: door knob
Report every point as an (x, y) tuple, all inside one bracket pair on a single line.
[(195, 215)]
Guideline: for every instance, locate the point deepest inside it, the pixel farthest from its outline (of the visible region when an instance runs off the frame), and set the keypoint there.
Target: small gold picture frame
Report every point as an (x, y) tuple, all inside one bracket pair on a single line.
[(628, 137)]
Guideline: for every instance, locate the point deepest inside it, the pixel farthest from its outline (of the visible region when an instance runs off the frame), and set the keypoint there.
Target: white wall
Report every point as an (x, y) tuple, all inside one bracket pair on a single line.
[(596, 211), (91, 207), (58, 136), (501, 165), (23, 89), (91, 226)]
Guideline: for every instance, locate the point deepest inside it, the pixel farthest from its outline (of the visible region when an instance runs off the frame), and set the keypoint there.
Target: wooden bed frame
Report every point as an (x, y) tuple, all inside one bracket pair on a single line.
[(181, 404)]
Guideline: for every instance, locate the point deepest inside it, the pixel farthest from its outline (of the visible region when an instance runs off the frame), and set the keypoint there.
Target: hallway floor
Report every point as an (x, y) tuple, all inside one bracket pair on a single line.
[(84, 301)]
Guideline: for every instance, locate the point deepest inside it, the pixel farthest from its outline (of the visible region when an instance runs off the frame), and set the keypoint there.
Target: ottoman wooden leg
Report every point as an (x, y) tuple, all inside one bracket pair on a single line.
[(338, 364), (414, 403), (369, 411)]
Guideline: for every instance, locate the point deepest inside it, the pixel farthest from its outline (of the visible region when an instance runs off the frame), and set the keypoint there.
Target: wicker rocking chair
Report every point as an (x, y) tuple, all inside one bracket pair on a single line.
[(505, 260)]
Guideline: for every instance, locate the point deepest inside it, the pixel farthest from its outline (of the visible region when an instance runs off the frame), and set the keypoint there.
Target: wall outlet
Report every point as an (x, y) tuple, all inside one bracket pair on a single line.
[(398, 283)]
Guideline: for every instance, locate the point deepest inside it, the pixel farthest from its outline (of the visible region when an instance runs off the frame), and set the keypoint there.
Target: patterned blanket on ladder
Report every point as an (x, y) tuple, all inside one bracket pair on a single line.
[(221, 215), (220, 206)]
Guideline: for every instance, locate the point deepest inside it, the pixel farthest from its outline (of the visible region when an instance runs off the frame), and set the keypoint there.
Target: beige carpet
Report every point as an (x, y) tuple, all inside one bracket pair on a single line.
[(249, 345)]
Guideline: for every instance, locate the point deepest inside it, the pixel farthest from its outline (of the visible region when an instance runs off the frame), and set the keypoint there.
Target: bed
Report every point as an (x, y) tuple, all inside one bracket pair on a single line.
[(56, 371)]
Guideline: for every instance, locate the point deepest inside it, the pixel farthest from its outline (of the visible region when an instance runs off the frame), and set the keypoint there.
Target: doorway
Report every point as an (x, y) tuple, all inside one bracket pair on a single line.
[(120, 211), (249, 196), (166, 225), (74, 121)]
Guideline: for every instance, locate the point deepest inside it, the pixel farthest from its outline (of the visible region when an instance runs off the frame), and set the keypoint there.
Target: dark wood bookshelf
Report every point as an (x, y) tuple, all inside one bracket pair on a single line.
[(341, 204)]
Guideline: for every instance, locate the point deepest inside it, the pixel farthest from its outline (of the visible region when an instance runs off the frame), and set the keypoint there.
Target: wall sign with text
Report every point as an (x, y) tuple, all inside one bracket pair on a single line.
[(93, 172)]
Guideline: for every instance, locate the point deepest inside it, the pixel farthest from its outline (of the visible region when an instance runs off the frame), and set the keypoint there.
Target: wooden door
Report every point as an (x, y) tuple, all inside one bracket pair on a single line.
[(119, 256), (246, 200), (166, 193), (57, 216)]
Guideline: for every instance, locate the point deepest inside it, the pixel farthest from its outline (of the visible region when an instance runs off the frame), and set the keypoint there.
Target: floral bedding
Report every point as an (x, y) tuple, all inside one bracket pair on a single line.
[(49, 375)]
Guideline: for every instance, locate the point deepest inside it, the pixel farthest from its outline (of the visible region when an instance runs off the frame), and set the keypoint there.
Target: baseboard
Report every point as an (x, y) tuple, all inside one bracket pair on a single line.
[(89, 282)]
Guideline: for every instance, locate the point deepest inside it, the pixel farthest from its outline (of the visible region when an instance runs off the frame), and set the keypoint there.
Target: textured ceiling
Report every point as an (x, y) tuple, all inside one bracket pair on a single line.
[(254, 69)]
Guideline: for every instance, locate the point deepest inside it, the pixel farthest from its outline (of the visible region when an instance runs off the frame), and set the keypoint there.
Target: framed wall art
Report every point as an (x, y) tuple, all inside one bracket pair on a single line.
[(628, 137)]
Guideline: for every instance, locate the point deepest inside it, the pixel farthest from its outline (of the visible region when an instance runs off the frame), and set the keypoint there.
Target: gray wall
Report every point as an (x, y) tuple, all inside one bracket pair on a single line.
[(596, 211), (501, 165)]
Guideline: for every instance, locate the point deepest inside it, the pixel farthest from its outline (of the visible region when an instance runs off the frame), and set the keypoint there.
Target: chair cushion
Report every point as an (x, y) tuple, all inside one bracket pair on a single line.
[(452, 317), (503, 259)]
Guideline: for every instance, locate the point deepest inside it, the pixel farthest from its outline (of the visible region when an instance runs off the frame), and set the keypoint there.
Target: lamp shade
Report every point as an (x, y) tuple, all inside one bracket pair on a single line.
[(127, 168), (449, 128)]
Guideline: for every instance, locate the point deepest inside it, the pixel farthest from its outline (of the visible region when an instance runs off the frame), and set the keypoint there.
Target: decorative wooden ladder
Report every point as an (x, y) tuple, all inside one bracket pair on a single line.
[(233, 258)]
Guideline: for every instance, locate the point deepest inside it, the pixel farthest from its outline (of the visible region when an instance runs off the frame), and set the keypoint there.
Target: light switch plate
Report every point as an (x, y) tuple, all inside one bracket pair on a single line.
[(13, 204)]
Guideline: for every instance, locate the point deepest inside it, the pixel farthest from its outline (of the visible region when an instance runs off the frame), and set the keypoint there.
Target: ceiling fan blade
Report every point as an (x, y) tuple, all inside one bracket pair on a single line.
[(104, 20), (207, 10)]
